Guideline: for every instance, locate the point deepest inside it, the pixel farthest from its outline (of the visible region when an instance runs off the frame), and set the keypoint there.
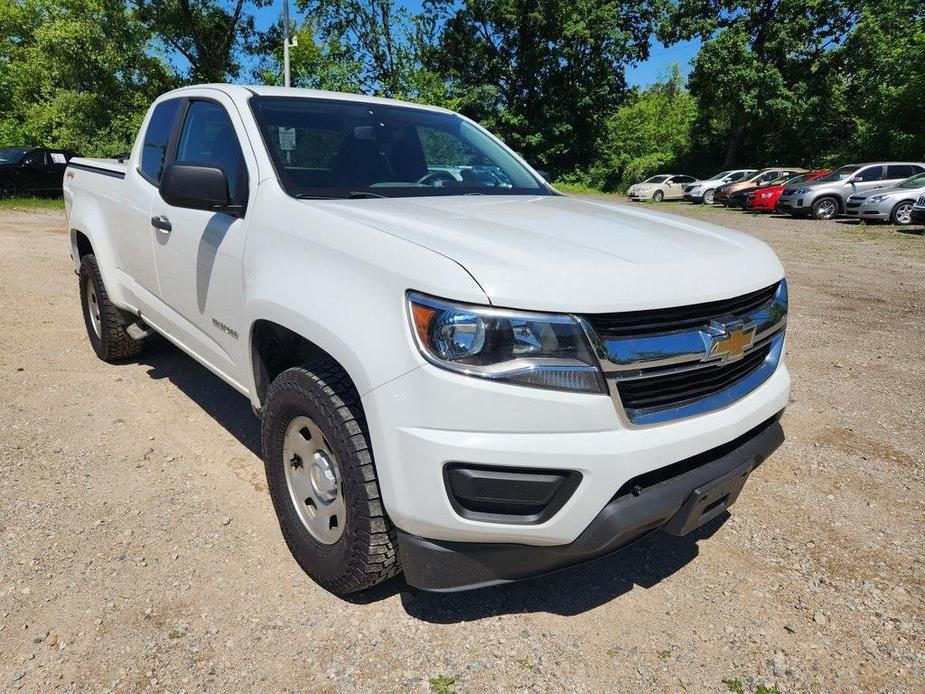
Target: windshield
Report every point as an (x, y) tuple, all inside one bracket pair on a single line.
[(323, 148), (656, 179), (839, 174), (721, 174), (12, 155), (917, 181)]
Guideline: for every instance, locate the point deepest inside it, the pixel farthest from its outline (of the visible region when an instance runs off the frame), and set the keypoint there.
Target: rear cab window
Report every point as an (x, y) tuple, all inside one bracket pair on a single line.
[(157, 137)]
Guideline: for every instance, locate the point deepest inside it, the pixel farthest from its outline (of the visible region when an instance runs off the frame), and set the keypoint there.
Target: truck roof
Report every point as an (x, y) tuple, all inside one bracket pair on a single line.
[(247, 90)]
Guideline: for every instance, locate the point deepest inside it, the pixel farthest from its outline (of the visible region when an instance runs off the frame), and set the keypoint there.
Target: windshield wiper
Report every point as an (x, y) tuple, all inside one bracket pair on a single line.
[(307, 196), (357, 194)]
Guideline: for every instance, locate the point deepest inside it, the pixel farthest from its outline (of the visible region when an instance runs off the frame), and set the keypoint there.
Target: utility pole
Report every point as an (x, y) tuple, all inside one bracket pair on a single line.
[(286, 42)]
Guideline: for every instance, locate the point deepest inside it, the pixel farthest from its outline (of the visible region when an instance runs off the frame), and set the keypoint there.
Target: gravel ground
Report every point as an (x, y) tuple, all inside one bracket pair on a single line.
[(139, 550)]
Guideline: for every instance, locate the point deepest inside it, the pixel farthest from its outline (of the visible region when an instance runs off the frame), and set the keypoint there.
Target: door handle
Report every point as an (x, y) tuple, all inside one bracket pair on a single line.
[(161, 222)]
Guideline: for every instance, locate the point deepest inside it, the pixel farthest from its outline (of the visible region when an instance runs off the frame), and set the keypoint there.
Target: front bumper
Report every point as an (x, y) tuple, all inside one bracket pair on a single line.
[(874, 212), (430, 418), (637, 196), (918, 215), (759, 204), (686, 495), (794, 205)]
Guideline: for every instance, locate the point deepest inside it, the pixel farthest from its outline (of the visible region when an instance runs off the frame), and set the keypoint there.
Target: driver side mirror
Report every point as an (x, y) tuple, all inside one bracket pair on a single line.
[(198, 187)]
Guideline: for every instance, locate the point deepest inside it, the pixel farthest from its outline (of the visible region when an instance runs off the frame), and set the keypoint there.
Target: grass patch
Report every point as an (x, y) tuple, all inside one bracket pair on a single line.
[(664, 654), (577, 189), (442, 684), (734, 685), (31, 203)]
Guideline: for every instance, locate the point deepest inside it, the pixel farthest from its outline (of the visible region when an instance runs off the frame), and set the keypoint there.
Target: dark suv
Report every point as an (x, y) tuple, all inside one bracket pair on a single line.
[(31, 170)]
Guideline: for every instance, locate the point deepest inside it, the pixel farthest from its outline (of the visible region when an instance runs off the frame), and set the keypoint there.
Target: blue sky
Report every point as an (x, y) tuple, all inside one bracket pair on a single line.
[(660, 57)]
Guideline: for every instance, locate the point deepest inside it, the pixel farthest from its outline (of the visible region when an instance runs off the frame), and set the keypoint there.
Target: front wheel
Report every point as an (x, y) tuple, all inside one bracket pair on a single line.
[(322, 479), (8, 189), (658, 196), (708, 197), (825, 208), (901, 214)]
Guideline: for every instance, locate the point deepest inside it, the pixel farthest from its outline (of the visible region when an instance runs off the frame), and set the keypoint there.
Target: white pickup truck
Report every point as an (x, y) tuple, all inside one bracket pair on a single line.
[(461, 373)]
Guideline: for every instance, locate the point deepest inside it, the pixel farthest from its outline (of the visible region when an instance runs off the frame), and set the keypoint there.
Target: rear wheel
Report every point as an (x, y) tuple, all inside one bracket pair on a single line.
[(323, 481), (658, 196), (825, 208), (708, 197), (901, 214), (106, 324)]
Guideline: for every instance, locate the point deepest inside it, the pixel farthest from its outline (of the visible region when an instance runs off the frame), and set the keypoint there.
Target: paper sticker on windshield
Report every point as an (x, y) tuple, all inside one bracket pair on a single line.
[(58, 158), (287, 139)]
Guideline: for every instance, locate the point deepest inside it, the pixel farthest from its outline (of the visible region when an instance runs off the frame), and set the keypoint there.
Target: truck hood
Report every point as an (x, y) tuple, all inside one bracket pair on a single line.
[(559, 253)]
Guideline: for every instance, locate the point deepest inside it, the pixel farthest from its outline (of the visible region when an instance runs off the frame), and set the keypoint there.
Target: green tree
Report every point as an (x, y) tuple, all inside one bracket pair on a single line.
[(544, 74), (764, 65), (387, 42), (210, 35), (647, 134), (75, 73), (313, 65)]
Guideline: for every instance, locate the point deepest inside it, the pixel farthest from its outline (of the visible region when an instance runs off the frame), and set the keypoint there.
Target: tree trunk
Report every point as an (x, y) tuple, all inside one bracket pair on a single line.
[(732, 145)]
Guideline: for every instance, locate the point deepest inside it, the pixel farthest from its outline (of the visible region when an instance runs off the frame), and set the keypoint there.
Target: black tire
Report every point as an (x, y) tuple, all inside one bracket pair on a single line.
[(658, 196), (112, 342), (8, 189), (366, 552), (901, 214), (708, 196), (825, 208)]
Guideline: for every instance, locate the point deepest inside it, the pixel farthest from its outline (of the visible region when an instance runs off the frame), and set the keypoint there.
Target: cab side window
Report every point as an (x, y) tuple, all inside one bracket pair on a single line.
[(157, 137), (36, 158), (208, 137), (901, 170)]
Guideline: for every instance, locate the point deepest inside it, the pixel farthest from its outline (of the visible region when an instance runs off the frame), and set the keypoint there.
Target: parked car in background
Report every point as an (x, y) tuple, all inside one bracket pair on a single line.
[(32, 170), (918, 211), (740, 197), (703, 191), (827, 197), (887, 204), (765, 199), (761, 178), (661, 187)]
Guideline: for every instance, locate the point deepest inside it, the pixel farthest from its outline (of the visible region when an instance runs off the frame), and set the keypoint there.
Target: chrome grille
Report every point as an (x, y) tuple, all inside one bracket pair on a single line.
[(668, 364)]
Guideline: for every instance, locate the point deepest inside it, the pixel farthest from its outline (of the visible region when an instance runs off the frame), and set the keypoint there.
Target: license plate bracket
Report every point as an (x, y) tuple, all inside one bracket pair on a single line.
[(709, 500)]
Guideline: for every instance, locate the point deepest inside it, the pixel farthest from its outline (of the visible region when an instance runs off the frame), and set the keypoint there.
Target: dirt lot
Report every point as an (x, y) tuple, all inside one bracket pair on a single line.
[(139, 550)]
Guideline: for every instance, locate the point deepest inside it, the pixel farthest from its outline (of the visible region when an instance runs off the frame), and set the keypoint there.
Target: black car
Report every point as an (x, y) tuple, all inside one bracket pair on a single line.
[(32, 170)]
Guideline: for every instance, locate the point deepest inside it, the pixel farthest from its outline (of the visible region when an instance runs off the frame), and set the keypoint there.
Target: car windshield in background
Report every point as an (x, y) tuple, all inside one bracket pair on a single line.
[(917, 181), (656, 179), (323, 148), (798, 179), (721, 174), (12, 155), (839, 174)]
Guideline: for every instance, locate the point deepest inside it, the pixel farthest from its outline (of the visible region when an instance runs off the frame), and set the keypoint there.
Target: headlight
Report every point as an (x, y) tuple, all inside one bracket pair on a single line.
[(802, 191), (544, 350), (877, 198)]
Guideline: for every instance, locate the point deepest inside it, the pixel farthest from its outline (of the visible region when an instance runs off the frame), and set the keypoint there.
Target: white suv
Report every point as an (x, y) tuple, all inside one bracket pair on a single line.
[(470, 377)]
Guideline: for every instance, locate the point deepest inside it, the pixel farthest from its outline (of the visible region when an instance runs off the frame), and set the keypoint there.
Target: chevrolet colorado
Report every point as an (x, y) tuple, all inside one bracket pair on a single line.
[(460, 372)]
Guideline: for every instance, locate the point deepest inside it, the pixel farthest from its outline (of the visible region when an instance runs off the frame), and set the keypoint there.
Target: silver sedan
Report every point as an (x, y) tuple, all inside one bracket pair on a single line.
[(892, 205)]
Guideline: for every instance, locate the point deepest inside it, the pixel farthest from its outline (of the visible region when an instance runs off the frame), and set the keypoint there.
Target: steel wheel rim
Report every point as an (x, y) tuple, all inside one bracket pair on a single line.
[(314, 481), (93, 307), (904, 213), (826, 209)]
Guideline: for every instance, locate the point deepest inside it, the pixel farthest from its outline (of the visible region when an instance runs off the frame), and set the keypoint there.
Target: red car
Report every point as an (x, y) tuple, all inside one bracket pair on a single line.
[(765, 199)]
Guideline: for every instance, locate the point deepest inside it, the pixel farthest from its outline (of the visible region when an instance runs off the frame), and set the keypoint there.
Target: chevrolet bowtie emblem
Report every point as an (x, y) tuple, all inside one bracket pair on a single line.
[(730, 341)]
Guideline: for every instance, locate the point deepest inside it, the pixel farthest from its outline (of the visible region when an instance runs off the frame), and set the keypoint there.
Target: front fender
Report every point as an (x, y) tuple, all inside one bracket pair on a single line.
[(341, 285)]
